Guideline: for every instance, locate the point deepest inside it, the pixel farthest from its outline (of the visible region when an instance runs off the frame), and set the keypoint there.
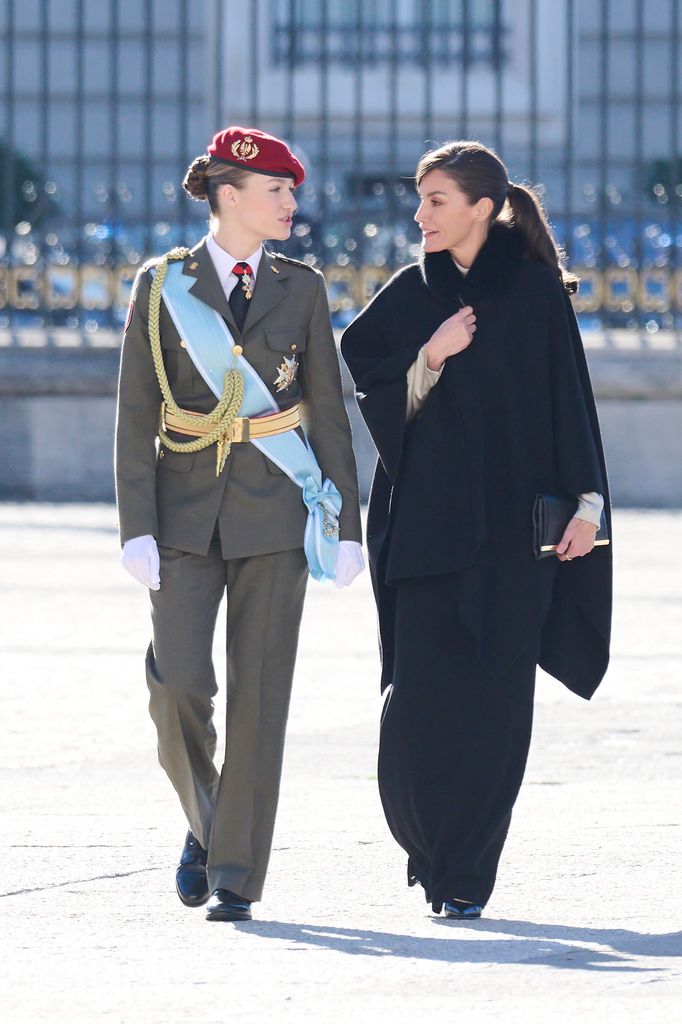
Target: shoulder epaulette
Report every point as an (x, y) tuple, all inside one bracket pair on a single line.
[(177, 253), (153, 261), (290, 259)]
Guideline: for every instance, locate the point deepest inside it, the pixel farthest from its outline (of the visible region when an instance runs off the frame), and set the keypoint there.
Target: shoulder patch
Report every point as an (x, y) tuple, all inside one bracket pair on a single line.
[(290, 260)]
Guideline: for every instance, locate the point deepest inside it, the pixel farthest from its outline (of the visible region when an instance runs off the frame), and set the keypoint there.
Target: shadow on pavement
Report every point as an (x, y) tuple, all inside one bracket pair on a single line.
[(533, 944)]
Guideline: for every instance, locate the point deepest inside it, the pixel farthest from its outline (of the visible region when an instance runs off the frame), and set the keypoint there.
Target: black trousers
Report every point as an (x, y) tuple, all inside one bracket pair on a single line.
[(453, 746)]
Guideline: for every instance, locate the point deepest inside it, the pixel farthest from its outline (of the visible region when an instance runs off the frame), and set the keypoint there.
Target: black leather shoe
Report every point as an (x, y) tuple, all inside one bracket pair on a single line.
[(191, 881), (227, 906), (462, 910)]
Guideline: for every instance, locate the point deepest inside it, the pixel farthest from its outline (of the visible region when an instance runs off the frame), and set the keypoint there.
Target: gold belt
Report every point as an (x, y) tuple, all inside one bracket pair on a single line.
[(243, 428)]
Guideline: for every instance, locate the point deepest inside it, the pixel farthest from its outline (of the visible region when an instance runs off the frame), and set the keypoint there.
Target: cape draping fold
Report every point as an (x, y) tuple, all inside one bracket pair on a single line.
[(380, 345), (583, 589)]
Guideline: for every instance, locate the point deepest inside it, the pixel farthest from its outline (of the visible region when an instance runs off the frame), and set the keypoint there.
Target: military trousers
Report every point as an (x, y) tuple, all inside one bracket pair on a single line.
[(231, 811)]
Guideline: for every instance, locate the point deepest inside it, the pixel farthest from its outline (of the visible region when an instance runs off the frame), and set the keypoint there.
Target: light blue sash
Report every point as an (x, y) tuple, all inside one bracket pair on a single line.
[(209, 344)]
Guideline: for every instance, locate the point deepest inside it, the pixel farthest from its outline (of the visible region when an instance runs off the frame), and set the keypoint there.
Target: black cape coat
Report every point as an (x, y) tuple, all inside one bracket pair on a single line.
[(511, 416)]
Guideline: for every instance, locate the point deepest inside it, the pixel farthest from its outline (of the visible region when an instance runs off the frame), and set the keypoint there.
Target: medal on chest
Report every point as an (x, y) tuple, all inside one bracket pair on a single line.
[(286, 373), (246, 285)]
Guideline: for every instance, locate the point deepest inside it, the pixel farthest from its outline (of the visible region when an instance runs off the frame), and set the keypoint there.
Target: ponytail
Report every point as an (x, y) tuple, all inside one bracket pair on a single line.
[(530, 219)]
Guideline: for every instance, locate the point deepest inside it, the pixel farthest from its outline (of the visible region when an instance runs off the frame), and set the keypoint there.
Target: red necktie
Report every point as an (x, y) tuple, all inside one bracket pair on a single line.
[(241, 293)]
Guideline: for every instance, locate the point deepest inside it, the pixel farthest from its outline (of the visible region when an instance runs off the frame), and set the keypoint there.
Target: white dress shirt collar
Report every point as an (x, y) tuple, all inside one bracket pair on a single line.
[(223, 261)]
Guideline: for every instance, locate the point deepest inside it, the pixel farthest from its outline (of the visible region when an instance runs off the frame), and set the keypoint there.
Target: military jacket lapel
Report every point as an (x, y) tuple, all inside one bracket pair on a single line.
[(207, 285), (271, 287)]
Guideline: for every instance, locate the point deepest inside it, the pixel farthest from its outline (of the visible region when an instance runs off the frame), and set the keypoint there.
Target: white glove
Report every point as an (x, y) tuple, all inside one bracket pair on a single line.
[(349, 563), (141, 559)]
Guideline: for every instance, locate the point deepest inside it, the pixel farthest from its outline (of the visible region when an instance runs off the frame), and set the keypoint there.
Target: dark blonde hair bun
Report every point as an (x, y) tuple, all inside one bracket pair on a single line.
[(195, 183)]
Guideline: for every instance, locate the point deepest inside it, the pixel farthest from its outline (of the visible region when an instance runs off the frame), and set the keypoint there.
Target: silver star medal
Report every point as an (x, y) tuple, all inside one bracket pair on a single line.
[(246, 285), (286, 373)]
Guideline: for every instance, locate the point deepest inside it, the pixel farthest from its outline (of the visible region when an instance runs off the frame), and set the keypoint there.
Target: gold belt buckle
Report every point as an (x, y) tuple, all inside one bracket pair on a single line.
[(240, 430)]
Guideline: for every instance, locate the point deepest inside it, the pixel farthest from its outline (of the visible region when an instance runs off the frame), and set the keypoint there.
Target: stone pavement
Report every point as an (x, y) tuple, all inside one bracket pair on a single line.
[(584, 924)]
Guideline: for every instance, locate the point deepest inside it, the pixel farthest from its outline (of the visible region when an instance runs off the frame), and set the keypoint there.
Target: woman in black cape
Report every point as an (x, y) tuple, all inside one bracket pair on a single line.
[(472, 379)]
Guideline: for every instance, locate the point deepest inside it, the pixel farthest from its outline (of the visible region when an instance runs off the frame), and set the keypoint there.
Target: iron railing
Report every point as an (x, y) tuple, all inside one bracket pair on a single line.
[(104, 104)]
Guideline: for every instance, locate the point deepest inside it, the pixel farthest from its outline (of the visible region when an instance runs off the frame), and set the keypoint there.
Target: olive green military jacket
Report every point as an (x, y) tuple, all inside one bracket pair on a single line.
[(177, 497)]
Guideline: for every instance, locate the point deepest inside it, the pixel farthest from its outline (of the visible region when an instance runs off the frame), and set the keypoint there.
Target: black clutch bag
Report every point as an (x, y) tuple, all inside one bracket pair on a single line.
[(551, 515)]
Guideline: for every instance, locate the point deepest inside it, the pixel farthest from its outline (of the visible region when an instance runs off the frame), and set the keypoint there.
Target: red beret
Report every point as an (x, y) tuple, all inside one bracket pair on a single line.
[(256, 151)]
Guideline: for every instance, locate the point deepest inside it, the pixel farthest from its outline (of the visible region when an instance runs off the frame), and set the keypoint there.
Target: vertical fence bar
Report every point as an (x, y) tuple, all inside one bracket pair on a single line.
[(148, 126), (291, 65), (498, 64), (533, 86), (115, 158), (358, 148), (79, 155), (464, 76), (184, 52), (427, 58), (568, 115), (393, 149), (44, 121), (216, 42), (10, 170), (639, 142), (676, 186), (603, 129), (324, 102), (254, 21)]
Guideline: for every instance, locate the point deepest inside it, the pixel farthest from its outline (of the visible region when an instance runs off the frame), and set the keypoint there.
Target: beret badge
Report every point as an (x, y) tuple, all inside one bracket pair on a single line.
[(245, 149), (254, 150)]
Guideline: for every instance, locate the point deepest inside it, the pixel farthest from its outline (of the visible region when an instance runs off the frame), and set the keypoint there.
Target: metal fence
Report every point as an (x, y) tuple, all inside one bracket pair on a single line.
[(104, 104)]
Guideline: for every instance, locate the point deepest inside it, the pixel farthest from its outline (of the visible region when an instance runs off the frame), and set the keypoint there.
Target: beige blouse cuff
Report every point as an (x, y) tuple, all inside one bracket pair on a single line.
[(590, 507), (420, 380)]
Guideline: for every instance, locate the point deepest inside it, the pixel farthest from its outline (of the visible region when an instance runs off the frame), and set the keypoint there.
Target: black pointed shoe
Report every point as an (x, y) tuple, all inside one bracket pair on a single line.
[(191, 880), (227, 906), (462, 910)]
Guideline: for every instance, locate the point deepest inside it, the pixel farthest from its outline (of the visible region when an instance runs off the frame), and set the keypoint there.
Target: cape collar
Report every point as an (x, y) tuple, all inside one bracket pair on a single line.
[(491, 272)]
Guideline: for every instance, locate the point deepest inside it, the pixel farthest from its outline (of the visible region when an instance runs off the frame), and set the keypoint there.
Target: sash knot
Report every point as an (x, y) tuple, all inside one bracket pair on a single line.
[(322, 529)]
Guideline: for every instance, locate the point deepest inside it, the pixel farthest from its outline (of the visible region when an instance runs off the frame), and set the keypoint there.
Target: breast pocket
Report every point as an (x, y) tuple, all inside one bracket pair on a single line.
[(285, 340)]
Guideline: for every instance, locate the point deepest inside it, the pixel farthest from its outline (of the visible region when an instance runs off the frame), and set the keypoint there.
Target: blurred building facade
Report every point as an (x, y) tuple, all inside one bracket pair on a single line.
[(105, 103)]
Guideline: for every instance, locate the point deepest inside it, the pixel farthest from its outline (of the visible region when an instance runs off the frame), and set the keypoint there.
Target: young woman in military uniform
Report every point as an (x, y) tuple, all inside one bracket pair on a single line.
[(221, 493), (473, 382)]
